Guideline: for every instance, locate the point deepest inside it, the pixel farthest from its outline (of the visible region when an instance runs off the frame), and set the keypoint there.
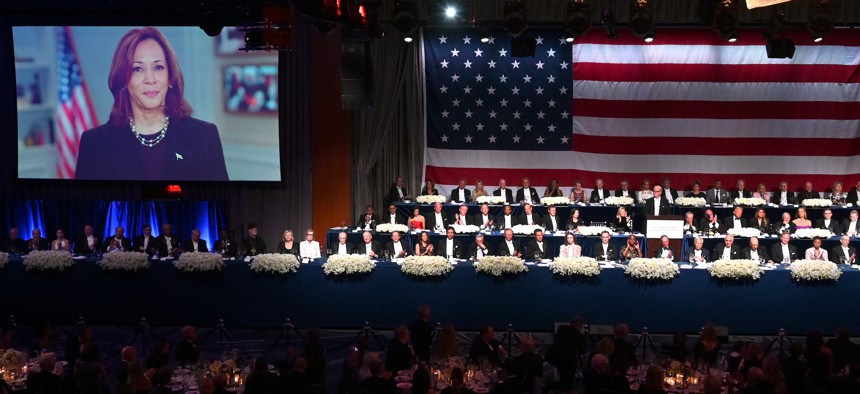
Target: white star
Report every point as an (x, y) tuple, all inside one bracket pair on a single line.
[(455, 78), (539, 40), (517, 114), (492, 64), (561, 41), (515, 64), (456, 102), (515, 90), (551, 79), (492, 40), (467, 40), (455, 53), (491, 90), (467, 90), (539, 90), (541, 114), (456, 126), (504, 126), (503, 78), (468, 138), (479, 103), (551, 53), (551, 128), (443, 40), (444, 89), (528, 127), (527, 103), (478, 53), (479, 78), (493, 114), (445, 114), (540, 140), (564, 140), (468, 114), (503, 103), (564, 115), (539, 65), (503, 53), (467, 64), (564, 65), (444, 138), (527, 78), (492, 139), (444, 64), (562, 90), (480, 126), (551, 103), (516, 139)]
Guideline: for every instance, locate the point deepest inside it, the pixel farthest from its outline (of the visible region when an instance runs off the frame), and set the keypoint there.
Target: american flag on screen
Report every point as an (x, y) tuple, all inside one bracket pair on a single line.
[(690, 106), (75, 113)]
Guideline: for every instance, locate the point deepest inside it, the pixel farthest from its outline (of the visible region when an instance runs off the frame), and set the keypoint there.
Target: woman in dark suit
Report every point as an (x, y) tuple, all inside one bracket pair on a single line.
[(288, 245), (760, 221), (150, 134), (575, 221), (429, 188), (697, 190)]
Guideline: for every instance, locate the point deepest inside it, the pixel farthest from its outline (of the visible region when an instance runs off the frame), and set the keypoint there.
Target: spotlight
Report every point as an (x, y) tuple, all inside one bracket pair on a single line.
[(444, 11), (485, 35), (821, 20), (569, 36), (780, 48), (648, 37), (515, 17), (407, 38), (405, 19), (733, 36), (726, 19), (578, 22), (641, 20), (450, 12), (610, 24)]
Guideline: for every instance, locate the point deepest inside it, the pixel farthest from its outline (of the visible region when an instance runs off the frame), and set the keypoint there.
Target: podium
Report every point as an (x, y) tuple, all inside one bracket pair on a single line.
[(671, 226)]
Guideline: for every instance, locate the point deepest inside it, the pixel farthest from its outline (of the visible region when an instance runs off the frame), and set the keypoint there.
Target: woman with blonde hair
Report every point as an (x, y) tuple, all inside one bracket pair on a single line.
[(479, 190)]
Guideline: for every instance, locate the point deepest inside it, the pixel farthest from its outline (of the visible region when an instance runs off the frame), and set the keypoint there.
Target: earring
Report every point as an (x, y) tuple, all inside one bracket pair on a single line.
[(170, 86)]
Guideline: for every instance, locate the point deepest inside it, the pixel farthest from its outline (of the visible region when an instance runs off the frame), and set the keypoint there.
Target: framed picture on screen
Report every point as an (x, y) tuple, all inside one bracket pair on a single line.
[(229, 42), (251, 89)]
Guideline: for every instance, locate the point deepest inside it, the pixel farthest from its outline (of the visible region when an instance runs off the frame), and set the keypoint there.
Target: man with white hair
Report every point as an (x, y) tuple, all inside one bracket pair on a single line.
[(503, 191), (527, 193), (342, 247), (369, 247), (727, 250), (187, 351)]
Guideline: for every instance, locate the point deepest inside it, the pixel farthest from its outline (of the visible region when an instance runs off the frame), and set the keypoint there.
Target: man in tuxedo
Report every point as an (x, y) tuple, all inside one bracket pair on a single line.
[(462, 218), (717, 195), (195, 244), (623, 347), (598, 194), (727, 250), (485, 347), (741, 191), (255, 245), (669, 193), (398, 192), (552, 222), (510, 246), (225, 246), (807, 192), (698, 254), (657, 205), (461, 194), (783, 196), (397, 248), (88, 243), (342, 246), (45, 381), (37, 242), (527, 193), (709, 223), (145, 243), (854, 195), (508, 219), (754, 252), (690, 226), (369, 246), (828, 223), (783, 250), (118, 241), (422, 334), (449, 247), (483, 219), (538, 248), (15, 245), (529, 217), (437, 220), (623, 191), (851, 226), (664, 251), (479, 249), (604, 251), (503, 191), (168, 244), (187, 351), (844, 253), (392, 217), (399, 354), (368, 221), (735, 221)]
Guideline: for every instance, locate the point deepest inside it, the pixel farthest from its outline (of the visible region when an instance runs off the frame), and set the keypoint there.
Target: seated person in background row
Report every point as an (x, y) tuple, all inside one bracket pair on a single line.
[(784, 225), (741, 191), (577, 194), (630, 250), (479, 249), (342, 247), (529, 217), (538, 248), (570, 249), (507, 220), (575, 220), (854, 195), (187, 351), (552, 222), (816, 252), (828, 223), (509, 246), (423, 247), (802, 221), (624, 191), (527, 193), (397, 248), (762, 193), (195, 244), (718, 195), (437, 220), (552, 190), (255, 245), (664, 251), (417, 221), (645, 191), (736, 221), (118, 242), (310, 248), (168, 245), (709, 223), (61, 243), (288, 244), (479, 191), (605, 251), (844, 253), (485, 348), (45, 381), (398, 191), (783, 251), (696, 191), (483, 219), (690, 226), (368, 221), (461, 218), (807, 192), (698, 254), (669, 193), (755, 253), (461, 194), (851, 226), (623, 221), (225, 246), (392, 217), (760, 221), (15, 245), (503, 191), (146, 243), (727, 250), (88, 243), (598, 194), (369, 247), (429, 188), (449, 247), (783, 196)]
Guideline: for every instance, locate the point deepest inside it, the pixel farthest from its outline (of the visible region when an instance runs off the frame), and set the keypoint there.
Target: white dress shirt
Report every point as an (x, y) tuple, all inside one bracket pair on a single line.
[(527, 195), (399, 192), (169, 242), (310, 250), (479, 253), (397, 249), (697, 253), (554, 223), (194, 243), (368, 248), (783, 198), (529, 219), (605, 249), (341, 249), (668, 194), (91, 242), (786, 254), (852, 227), (146, 242), (392, 218), (449, 247), (846, 252), (508, 221), (600, 194), (510, 246), (484, 219), (656, 207), (737, 222), (754, 255), (440, 223), (727, 253), (461, 194), (665, 253)]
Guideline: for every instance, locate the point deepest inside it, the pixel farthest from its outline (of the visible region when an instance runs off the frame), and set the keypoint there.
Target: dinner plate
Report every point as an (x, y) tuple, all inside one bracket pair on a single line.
[(404, 385), (481, 390), (402, 378)]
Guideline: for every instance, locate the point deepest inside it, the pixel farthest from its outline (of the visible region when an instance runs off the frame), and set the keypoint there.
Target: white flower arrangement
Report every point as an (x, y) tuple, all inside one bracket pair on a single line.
[(465, 228), (275, 263), (199, 262), (348, 264), (592, 230), (735, 269), (618, 200), (746, 232), (817, 202), (575, 266), (750, 202), (4, 258), (812, 270), (124, 261), (525, 229), (652, 269), (390, 228), (428, 199), (492, 200), (812, 233), (690, 201), (500, 265), (12, 359), (426, 266), (44, 260), (555, 201)]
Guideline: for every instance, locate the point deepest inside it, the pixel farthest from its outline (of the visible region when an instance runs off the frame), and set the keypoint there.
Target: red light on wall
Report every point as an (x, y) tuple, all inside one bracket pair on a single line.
[(174, 189)]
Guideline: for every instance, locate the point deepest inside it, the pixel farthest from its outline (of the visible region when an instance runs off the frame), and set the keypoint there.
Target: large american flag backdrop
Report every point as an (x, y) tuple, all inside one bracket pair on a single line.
[(75, 111), (690, 106)]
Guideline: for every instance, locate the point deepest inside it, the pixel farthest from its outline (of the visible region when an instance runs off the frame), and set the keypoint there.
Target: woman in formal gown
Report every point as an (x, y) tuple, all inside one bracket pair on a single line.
[(838, 195), (762, 193), (577, 195), (645, 191), (760, 221), (575, 221), (570, 248), (552, 190), (697, 190), (288, 245), (429, 188), (479, 191), (417, 220), (802, 220), (631, 250), (61, 243), (424, 247), (784, 225), (623, 221)]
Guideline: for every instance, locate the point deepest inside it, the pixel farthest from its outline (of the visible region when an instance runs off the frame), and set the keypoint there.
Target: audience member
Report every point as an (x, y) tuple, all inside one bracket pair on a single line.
[(261, 381), (422, 334)]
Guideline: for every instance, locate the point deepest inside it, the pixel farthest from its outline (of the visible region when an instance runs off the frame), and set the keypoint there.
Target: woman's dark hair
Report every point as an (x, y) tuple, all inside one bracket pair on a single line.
[(421, 381)]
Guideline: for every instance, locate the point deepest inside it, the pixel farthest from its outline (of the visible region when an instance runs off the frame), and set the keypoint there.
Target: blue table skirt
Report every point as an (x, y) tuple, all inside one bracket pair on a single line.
[(387, 297)]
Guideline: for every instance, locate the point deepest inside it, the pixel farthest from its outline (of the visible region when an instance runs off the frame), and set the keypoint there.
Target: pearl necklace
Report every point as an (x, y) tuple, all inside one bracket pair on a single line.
[(158, 136)]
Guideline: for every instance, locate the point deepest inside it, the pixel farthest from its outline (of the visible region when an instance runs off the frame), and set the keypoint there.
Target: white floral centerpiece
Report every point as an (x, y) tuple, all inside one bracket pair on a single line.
[(525, 229), (555, 201), (428, 199), (690, 201), (124, 261), (817, 202), (575, 266), (390, 228), (426, 266), (618, 200), (750, 202), (275, 263), (465, 228), (12, 359), (652, 269), (746, 232), (592, 230), (735, 269), (45, 260), (199, 262), (492, 200), (348, 264), (812, 233), (812, 270), (4, 258), (500, 265)]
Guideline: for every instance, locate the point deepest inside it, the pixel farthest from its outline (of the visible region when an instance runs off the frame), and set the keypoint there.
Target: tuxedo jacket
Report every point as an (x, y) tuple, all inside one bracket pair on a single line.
[(803, 195), (720, 248), (664, 207), (789, 197), (836, 253), (706, 254), (188, 246), (430, 219), (386, 218), (225, 244), (776, 227), (161, 241), (394, 196), (361, 248), (349, 248), (521, 195), (15, 246), (478, 219), (776, 252), (138, 244), (611, 253), (672, 192), (509, 195), (536, 219), (559, 223), (374, 220), (711, 196), (835, 227), (764, 227), (473, 251), (741, 194), (659, 252), (534, 249), (82, 247), (595, 198), (852, 198), (630, 193), (729, 222), (390, 248), (42, 244), (500, 222), (705, 226), (505, 251), (441, 249), (746, 253), (846, 223), (125, 243), (466, 219), (455, 195)]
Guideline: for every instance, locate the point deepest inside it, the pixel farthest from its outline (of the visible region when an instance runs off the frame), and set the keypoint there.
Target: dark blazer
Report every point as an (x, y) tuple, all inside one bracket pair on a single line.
[(595, 198), (362, 249), (509, 195), (741, 194), (42, 244), (190, 151), (521, 195), (729, 222), (390, 248), (835, 227), (775, 228), (665, 209), (611, 253), (187, 353), (138, 244), (789, 196), (473, 251), (630, 193), (481, 350), (745, 253), (430, 219), (394, 196), (398, 356), (257, 244), (294, 250), (386, 218), (467, 219), (621, 224), (441, 251), (425, 192), (504, 251), (803, 195), (500, 222), (706, 254), (15, 246), (225, 244), (836, 253), (455, 195), (734, 255), (559, 223), (188, 245), (667, 192), (82, 247), (705, 225), (776, 252), (124, 242), (44, 382), (374, 220), (533, 249), (536, 218), (659, 252), (161, 241), (262, 383), (421, 334), (478, 219), (852, 197), (846, 223)]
